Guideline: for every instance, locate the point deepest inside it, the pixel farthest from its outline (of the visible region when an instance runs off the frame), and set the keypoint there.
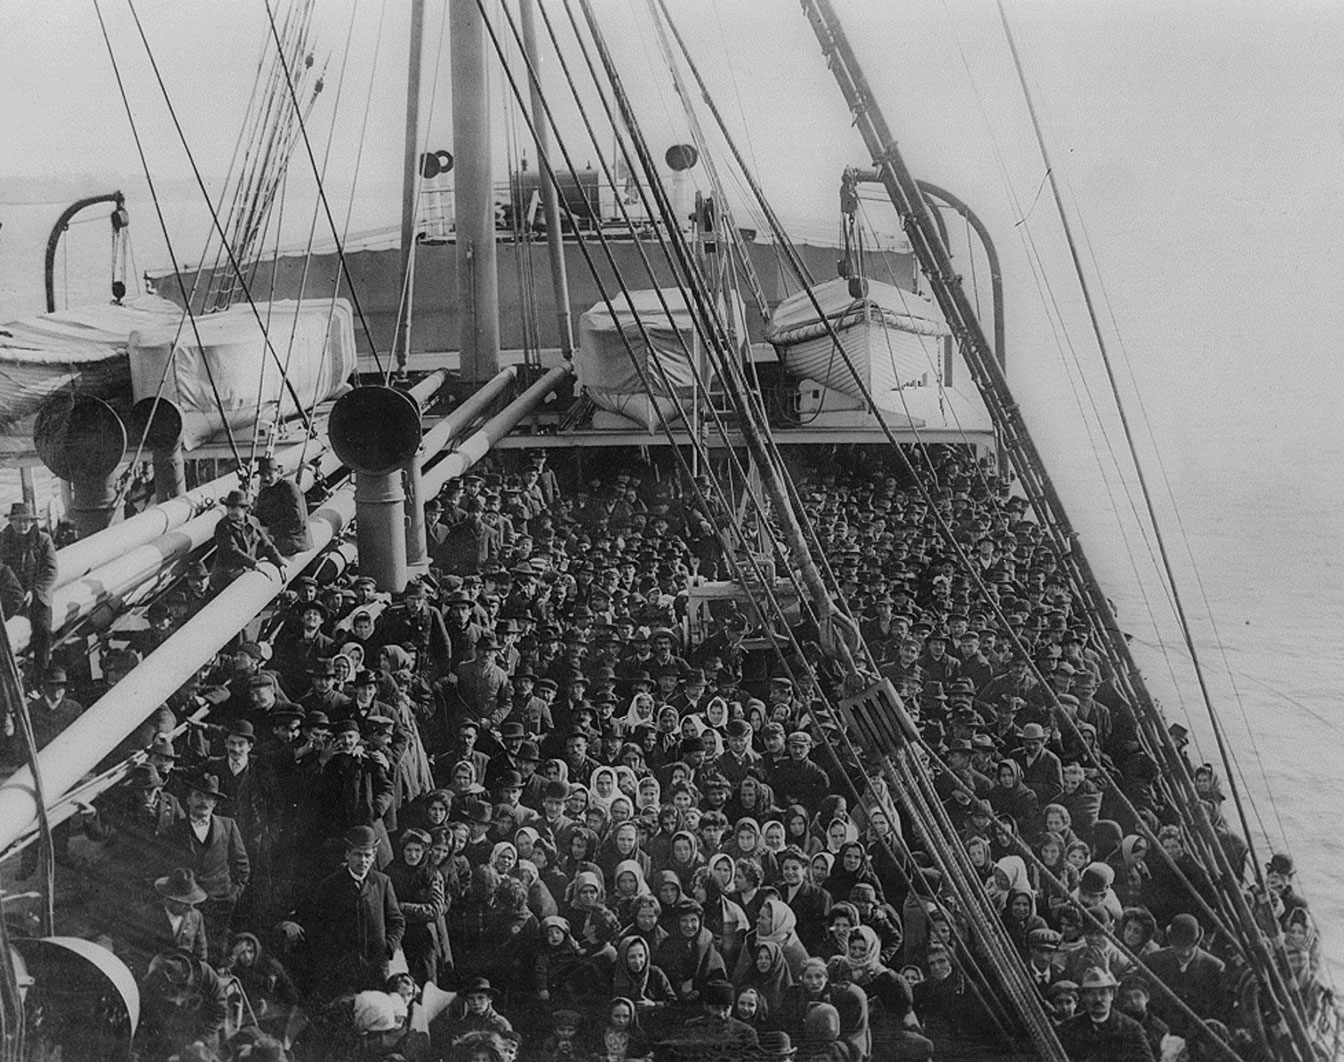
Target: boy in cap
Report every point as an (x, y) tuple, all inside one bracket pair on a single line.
[(240, 543), (281, 508)]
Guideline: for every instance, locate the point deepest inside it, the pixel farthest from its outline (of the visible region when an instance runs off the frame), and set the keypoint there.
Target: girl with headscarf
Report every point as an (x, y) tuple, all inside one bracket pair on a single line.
[(688, 956), (639, 713), (773, 838), (978, 850), (1010, 875), (637, 978), (587, 893), (797, 830), (446, 857), (602, 789), (852, 867), (891, 1004), (715, 716), (576, 804), (667, 887), (558, 956), (1012, 797), (721, 867), (540, 900), (745, 842), (752, 797), (776, 924), (762, 966), (722, 917), (819, 869), (844, 1006), (462, 781), (622, 809), (555, 771), (1132, 876), (1019, 919), (619, 1036), (622, 845), (628, 885), (504, 858), (659, 847), (840, 831), (684, 857), (645, 922), (648, 793), (420, 893)]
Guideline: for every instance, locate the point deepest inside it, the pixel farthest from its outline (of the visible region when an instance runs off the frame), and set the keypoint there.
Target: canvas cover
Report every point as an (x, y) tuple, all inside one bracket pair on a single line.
[(314, 340), (81, 348)]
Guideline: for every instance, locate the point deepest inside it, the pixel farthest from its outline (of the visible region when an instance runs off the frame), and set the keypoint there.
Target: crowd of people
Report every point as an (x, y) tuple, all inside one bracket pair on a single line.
[(520, 811)]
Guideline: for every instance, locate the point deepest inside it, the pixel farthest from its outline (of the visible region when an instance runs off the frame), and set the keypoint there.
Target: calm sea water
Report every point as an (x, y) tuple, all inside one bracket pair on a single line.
[(1255, 470)]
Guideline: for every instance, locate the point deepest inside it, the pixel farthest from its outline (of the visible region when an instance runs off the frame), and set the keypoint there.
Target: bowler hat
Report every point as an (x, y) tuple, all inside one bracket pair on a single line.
[(1032, 732), (474, 985), (361, 837), (241, 728), (1184, 931)]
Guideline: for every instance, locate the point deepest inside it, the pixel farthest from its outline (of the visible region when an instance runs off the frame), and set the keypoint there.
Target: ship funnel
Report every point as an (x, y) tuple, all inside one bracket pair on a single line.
[(159, 424), (680, 159), (376, 431), (82, 441)]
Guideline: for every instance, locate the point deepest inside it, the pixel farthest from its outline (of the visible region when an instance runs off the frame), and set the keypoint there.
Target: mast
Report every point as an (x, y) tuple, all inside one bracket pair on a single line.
[(550, 201), (410, 177), (477, 275)]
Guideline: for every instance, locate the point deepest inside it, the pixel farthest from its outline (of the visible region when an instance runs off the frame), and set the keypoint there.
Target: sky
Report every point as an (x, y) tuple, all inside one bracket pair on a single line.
[(1199, 145)]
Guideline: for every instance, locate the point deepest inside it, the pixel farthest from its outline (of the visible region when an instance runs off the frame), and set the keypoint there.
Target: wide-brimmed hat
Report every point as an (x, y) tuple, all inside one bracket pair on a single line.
[(235, 497), (21, 511), (473, 985), (207, 784), (181, 886), (1032, 732), (1097, 977)]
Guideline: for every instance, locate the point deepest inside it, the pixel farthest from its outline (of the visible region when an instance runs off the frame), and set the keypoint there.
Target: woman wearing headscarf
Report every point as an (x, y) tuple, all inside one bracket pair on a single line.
[(637, 978), (645, 922), (619, 1035), (891, 1005), (420, 894), (852, 867), (762, 966), (628, 885), (812, 989), (587, 893), (745, 843), (602, 789), (722, 917), (776, 924), (1012, 797), (684, 857), (688, 956), (715, 716), (540, 899), (648, 793), (1019, 919), (667, 887), (752, 798), (1133, 879), (639, 713), (621, 846), (840, 831), (1010, 875), (504, 858)]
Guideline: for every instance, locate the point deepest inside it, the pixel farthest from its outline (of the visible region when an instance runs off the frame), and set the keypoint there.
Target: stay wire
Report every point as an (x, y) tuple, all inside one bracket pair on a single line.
[(200, 183), (322, 195), (1102, 348), (163, 226), (946, 531)]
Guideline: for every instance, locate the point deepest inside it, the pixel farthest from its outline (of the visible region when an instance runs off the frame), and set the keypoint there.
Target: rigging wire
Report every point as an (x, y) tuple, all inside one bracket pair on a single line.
[(955, 546), (1102, 348), (163, 225), (200, 183), (322, 196)]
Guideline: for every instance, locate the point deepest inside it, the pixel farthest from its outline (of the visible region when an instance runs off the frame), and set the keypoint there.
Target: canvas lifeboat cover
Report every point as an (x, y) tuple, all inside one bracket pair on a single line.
[(315, 341), (607, 341), (889, 335), (81, 348)]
